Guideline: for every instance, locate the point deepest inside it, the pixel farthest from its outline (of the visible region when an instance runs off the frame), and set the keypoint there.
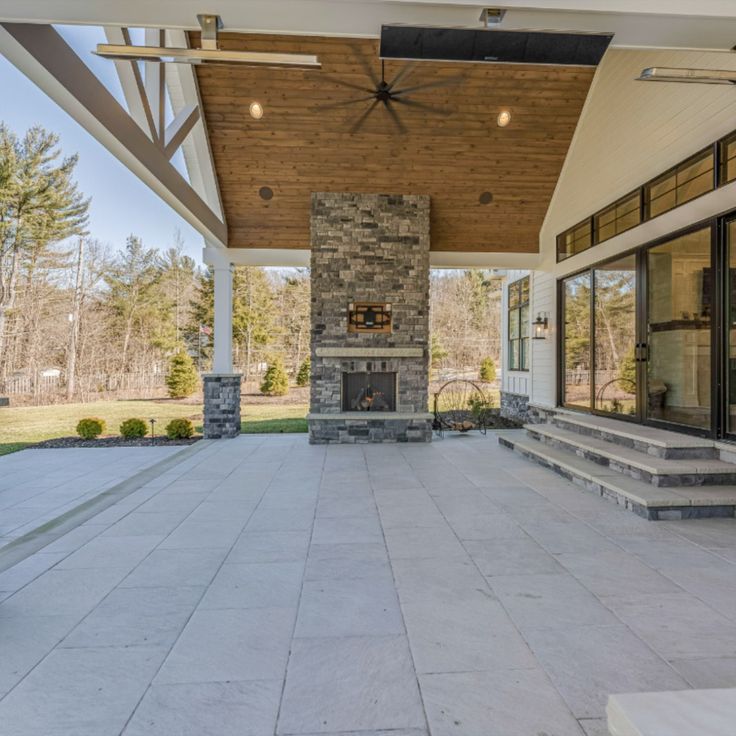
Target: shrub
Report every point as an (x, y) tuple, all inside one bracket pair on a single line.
[(182, 379), (275, 381), (133, 428), (179, 429), (90, 428), (487, 370), (305, 371)]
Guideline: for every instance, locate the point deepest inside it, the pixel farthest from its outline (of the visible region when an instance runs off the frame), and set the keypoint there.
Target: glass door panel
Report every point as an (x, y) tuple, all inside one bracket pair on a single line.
[(576, 344), (679, 287), (615, 337), (731, 326)]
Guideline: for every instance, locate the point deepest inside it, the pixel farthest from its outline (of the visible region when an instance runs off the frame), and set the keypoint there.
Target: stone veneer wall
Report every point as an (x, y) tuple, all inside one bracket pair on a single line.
[(370, 248), (221, 405), (515, 406)]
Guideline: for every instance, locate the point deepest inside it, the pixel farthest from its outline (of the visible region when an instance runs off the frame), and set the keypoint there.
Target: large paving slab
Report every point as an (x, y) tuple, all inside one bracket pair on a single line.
[(37, 486), (263, 587)]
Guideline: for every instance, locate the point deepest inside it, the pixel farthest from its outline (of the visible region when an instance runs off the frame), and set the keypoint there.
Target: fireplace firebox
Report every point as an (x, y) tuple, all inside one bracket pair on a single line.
[(363, 391)]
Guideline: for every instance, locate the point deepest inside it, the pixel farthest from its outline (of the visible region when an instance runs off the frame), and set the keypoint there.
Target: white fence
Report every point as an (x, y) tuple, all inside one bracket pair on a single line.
[(101, 383)]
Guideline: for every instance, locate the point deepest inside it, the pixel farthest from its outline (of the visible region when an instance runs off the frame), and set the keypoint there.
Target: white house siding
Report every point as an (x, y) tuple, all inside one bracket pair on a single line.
[(629, 132)]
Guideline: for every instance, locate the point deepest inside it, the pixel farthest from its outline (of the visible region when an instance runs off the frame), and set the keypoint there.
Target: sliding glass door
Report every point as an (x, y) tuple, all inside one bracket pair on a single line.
[(730, 321), (577, 359), (614, 346), (599, 357), (679, 305)]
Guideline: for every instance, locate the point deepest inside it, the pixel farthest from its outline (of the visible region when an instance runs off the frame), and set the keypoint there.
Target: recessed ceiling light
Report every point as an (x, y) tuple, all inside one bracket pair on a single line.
[(485, 198), (504, 118), (256, 110)]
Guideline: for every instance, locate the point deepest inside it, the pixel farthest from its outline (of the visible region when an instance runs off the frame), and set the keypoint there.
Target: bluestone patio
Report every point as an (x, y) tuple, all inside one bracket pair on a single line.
[(265, 586)]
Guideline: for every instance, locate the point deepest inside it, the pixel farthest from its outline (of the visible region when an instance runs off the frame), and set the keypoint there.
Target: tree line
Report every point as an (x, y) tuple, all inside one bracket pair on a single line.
[(74, 306)]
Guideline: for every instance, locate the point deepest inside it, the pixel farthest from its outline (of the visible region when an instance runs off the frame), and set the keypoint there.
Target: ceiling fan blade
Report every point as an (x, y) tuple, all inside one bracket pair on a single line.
[(449, 82), (343, 83), (395, 117), (419, 105), (344, 103), (407, 69), (359, 122), (367, 68)]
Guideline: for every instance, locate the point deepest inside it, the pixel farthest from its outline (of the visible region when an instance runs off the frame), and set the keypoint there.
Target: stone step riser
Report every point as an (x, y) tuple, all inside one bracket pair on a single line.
[(659, 513), (663, 480), (666, 453)]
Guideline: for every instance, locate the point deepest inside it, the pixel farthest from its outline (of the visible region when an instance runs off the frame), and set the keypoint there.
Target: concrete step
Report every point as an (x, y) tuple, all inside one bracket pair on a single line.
[(674, 713), (649, 440), (651, 502), (637, 464)]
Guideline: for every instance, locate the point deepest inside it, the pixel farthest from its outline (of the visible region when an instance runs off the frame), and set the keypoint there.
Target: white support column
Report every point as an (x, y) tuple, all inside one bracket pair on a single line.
[(223, 352)]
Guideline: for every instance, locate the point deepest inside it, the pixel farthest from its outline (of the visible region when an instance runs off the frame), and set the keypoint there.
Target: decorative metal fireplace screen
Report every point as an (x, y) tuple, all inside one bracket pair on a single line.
[(368, 391)]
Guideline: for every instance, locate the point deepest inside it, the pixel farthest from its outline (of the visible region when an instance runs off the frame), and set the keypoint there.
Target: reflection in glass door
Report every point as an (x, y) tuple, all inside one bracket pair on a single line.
[(731, 326), (615, 356), (679, 306), (576, 341)]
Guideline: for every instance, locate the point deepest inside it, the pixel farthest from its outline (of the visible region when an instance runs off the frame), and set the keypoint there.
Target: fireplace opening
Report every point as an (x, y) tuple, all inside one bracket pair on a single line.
[(362, 391)]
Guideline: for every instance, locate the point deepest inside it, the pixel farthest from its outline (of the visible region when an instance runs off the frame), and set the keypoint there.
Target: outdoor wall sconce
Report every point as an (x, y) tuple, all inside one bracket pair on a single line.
[(540, 326)]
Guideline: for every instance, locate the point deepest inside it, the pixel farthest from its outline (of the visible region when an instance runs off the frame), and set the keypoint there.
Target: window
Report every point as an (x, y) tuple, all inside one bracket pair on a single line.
[(519, 325), (728, 159), (575, 240), (679, 185), (618, 217)]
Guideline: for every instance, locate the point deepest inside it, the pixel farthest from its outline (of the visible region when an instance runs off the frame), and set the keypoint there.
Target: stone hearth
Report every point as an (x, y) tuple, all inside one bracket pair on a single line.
[(370, 248)]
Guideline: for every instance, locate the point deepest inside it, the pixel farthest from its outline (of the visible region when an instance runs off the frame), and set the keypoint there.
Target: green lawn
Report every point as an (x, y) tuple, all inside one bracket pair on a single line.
[(24, 425)]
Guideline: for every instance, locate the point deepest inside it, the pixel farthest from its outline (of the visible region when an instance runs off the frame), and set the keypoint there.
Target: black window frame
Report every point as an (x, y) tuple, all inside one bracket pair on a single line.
[(568, 242), (676, 190), (524, 335)]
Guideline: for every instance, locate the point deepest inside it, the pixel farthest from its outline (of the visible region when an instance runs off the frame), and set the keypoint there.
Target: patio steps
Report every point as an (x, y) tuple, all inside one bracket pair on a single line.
[(625, 464)]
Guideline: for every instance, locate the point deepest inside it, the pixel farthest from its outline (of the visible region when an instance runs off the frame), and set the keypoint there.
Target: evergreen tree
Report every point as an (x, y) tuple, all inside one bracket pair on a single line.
[(182, 379), (133, 299), (305, 372), (40, 206), (252, 313), (275, 381), (487, 369), (437, 352)]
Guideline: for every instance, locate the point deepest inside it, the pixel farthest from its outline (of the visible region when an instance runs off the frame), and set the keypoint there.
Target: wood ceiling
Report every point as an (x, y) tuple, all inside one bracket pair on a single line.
[(296, 149)]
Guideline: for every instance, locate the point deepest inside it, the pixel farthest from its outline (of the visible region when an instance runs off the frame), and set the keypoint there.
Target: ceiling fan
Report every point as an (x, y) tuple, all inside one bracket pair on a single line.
[(387, 94)]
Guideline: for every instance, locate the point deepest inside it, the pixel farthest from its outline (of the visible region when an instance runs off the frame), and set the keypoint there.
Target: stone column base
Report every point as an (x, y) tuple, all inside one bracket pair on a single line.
[(366, 427), (221, 405), (515, 406)]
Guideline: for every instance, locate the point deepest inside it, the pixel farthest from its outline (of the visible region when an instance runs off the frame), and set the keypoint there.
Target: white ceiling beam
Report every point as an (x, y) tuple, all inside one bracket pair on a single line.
[(181, 82), (299, 258), (179, 128), (709, 24), (43, 56), (131, 82), (155, 83)]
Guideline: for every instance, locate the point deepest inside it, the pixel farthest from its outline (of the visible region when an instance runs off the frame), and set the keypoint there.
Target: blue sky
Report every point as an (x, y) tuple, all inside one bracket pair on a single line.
[(121, 203)]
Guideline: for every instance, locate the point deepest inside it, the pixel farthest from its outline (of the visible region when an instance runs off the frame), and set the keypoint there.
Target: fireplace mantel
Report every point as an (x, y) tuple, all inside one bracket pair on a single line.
[(377, 352)]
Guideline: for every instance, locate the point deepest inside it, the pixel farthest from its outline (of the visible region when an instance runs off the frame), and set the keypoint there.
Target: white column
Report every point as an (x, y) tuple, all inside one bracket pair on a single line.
[(223, 354)]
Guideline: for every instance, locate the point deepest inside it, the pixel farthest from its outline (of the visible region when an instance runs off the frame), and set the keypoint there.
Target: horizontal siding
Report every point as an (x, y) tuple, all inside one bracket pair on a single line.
[(544, 364)]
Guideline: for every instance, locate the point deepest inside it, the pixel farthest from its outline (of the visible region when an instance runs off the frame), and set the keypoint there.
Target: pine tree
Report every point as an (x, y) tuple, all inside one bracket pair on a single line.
[(182, 379), (487, 369), (40, 206), (275, 381), (305, 372)]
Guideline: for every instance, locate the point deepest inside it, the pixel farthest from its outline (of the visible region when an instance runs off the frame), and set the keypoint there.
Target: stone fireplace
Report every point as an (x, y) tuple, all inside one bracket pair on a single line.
[(370, 319)]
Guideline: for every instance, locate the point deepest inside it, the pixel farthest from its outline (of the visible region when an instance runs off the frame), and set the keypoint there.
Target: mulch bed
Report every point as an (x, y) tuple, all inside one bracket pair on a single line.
[(61, 442)]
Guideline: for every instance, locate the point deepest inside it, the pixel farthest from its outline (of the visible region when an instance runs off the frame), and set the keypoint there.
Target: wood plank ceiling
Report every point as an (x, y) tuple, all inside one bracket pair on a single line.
[(454, 156)]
